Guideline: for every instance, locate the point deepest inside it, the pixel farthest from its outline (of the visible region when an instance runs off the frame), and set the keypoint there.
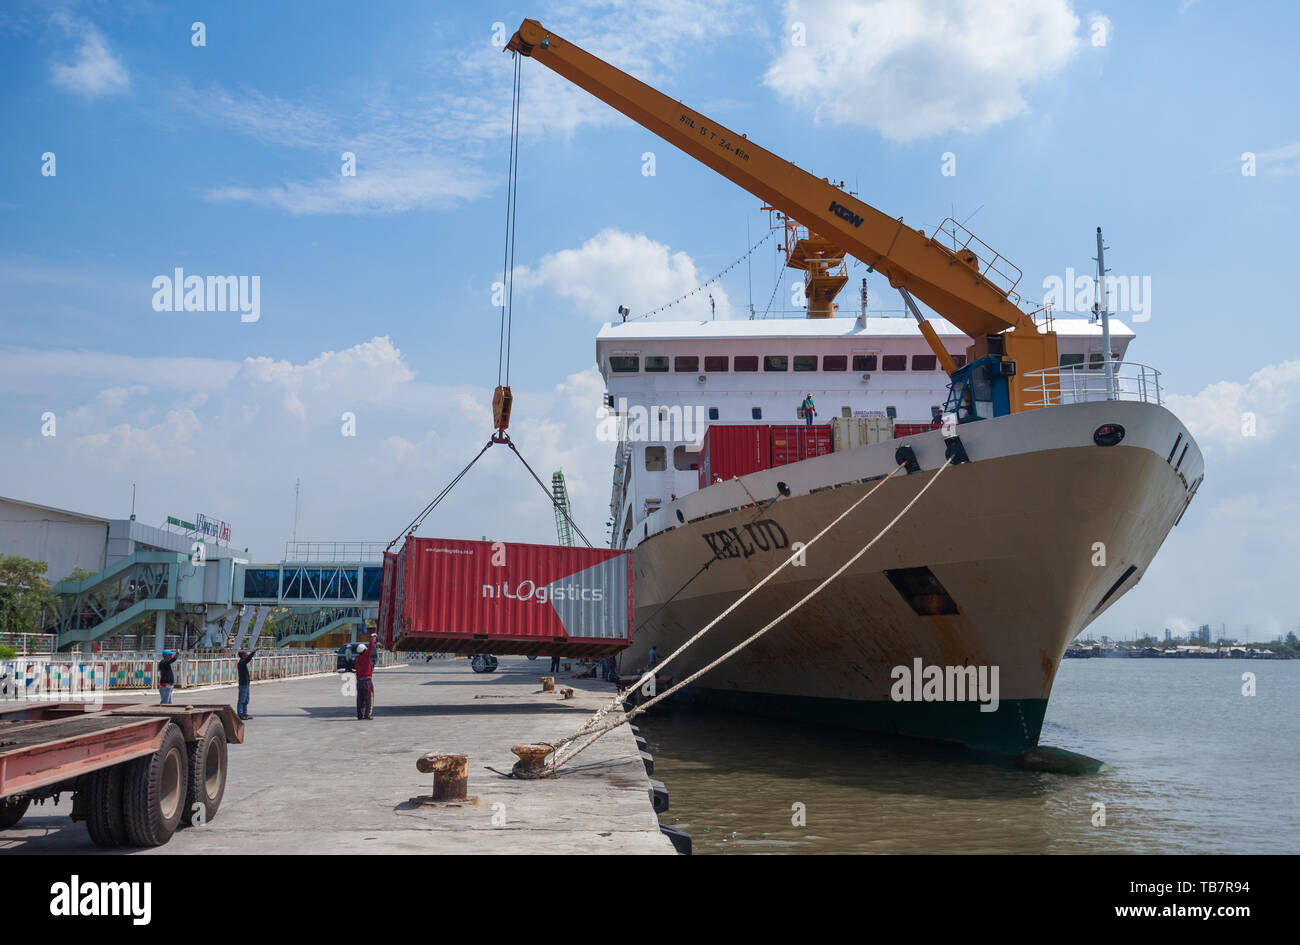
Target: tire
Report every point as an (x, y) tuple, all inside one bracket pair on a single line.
[(154, 791), (12, 810), (207, 774), (105, 816)]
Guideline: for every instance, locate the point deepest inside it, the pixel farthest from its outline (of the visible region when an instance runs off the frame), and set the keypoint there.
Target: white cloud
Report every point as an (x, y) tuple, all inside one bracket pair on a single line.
[(917, 68), (387, 188), (1220, 415), (1283, 161), (95, 71), (615, 268), (430, 153), (236, 447)]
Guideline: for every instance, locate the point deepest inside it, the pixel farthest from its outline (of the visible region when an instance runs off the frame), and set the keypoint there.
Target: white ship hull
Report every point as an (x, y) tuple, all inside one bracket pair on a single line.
[(1032, 539)]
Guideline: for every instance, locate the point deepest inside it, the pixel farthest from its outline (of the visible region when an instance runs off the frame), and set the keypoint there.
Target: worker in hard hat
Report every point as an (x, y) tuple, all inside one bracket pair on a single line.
[(809, 409), (166, 678), (365, 683)]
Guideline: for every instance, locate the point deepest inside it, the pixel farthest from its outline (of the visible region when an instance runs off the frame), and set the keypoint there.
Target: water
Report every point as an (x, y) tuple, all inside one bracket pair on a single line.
[(1196, 768)]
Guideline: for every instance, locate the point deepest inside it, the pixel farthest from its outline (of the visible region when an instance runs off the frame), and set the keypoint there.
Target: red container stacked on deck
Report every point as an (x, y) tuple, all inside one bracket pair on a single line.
[(734, 449), (799, 441)]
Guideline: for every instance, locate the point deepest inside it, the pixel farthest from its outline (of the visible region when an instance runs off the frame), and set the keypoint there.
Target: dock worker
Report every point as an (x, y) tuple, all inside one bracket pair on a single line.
[(245, 657), (652, 658), (166, 678), (809, 409), (365, 684), (555, 662)]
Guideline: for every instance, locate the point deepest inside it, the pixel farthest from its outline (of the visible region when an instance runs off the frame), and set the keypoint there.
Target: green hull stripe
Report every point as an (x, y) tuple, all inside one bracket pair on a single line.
[(1013, 728)]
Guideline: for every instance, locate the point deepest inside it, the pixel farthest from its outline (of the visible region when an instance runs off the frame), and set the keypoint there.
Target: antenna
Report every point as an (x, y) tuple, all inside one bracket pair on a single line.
[(297, 485), (1100, 310), (133, 501)]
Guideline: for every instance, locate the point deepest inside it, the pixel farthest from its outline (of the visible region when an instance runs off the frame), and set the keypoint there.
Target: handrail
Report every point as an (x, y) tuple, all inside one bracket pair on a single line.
[(1081, 383)]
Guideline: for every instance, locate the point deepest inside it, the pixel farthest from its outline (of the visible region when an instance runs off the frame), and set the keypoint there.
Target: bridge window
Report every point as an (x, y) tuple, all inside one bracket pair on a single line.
[(713, 413), (832, 362), (756, 413), (684, 459), (262, 582), (747, 362), (624, 363), (924, 362), (656, 459), (805, 362), (959, 360), (1074, 361), (372, 583), (656, 363), (342, 583), (715, 363), (864, 362), (776, 362), (687, 363), (894, 362)]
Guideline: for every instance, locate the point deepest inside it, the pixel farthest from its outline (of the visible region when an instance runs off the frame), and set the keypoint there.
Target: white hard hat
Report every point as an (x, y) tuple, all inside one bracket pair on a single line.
[(361, 648)]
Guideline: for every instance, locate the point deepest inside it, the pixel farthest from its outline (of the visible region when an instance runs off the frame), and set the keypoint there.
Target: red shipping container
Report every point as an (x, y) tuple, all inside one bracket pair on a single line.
[(387, 582), (731, 450), (510, 599), (911, 429), (799, 441)]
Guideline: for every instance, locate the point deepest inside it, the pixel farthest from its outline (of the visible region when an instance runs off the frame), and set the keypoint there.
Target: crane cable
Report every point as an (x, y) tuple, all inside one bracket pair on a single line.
[(503, 350), (595, 731), (508, 253)]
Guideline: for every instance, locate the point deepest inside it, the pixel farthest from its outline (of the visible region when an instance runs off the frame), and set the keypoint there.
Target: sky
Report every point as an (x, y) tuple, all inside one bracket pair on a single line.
[(140, 138)]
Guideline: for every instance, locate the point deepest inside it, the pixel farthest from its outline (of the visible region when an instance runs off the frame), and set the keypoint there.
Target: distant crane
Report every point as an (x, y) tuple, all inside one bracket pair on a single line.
[(560, 492)]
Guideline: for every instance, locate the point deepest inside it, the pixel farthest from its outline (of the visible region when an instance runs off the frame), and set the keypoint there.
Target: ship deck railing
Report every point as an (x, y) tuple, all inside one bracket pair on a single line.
[(1080, 383)]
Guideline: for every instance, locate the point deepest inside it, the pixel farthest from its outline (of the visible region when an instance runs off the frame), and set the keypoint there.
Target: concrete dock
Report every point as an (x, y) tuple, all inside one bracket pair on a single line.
[(310, 778)]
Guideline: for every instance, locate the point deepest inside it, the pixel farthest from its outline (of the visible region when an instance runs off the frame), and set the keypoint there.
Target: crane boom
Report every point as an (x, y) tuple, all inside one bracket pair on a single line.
[(960, 284)]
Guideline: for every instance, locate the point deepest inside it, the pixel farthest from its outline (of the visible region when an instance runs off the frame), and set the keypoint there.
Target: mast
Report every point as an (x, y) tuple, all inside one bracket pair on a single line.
[(1099, 309)]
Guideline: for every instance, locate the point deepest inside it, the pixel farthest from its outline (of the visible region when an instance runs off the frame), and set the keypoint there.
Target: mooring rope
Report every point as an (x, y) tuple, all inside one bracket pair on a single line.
[(623, 695), (561, 756)]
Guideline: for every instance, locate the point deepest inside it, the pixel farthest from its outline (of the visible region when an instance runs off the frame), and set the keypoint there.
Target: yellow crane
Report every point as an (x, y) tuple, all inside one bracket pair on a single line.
[(966, 282)]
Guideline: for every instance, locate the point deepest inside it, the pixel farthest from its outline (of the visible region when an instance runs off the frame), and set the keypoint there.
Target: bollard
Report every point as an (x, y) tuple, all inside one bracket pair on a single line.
[(450, 775), (532, 760), (548, 684), (567, 692)]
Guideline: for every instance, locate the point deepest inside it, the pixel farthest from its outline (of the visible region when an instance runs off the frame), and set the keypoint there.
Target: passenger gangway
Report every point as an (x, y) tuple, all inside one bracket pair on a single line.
[(227, 594)]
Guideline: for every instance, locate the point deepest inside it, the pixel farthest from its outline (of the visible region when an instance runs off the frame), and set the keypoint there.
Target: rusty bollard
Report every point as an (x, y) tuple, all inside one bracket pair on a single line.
[(532, 760), (567, 692), (548, 684), (450, 775)]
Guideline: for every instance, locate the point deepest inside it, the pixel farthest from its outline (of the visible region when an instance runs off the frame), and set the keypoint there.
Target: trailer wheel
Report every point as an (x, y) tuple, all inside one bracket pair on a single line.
[(155, 790), (105, 816), (207, 771), (12, 810)]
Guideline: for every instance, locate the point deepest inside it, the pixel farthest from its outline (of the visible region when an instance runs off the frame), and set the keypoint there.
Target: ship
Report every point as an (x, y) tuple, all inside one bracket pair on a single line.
[(1001, 564)]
